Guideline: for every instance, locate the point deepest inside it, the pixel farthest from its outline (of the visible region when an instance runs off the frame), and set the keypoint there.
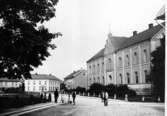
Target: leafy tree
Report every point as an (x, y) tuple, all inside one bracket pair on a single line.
[(24, 40), (158, 69), (63, 87)]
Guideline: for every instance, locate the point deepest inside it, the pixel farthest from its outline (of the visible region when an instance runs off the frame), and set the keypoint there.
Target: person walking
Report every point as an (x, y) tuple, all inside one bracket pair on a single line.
[(56, 95), (106, 99), (102, 96), (73, 97)]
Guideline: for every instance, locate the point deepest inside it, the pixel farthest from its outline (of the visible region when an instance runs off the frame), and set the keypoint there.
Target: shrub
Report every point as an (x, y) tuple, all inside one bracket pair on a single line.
[(80, 89), (111, 89), (96, 88)]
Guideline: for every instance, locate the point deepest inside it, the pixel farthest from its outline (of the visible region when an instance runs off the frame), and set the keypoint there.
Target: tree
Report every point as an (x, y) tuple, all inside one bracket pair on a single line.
[(63, 87), (23, 37), (158, 70)]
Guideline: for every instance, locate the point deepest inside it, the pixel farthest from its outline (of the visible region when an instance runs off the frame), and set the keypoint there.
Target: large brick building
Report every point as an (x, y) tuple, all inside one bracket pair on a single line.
[(126, 60)]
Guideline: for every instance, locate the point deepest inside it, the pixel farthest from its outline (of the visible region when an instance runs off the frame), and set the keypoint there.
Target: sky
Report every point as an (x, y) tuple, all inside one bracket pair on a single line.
[(85, 25)]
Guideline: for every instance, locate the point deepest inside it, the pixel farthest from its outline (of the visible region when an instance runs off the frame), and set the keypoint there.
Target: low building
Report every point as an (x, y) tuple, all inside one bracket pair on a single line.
[(42, 83), (9, 83), (76, 79)]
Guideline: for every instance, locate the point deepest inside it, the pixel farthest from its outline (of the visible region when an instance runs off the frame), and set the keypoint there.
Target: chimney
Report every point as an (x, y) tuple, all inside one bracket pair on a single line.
[(134, 33), (150, 25)]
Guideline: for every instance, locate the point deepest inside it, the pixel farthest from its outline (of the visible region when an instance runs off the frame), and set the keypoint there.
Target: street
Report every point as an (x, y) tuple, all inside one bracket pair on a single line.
[(90, 106)]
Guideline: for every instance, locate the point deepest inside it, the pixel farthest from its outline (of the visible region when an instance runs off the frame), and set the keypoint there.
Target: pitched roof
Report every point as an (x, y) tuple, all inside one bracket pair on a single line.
[(44, 76), (161, 14), (96, 56), (70, 76), (118, 41), (9, 80), (73, 74), (142, 36)]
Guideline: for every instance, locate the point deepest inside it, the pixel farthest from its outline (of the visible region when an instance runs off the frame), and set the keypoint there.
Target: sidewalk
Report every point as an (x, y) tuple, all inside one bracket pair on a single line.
[(27, 108)]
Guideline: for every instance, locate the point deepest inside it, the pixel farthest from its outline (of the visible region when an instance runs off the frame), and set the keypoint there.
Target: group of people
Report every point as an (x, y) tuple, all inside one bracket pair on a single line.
[(104, 97), (56, 95)]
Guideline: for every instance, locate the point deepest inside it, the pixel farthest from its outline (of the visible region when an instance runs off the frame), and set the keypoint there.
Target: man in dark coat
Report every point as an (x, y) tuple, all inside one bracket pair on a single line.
[(74, 96), (56, 95)]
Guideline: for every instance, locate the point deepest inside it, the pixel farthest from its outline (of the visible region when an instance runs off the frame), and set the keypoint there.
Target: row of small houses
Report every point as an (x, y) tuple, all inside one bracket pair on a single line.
[(38, 83), (123, 60)]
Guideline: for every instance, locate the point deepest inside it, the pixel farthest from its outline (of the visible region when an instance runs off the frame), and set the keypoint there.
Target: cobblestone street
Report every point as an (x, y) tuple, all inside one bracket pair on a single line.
[(86, 106)]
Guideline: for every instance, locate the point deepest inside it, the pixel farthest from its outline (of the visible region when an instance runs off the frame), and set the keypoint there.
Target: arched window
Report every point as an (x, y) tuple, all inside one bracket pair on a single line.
[(98, 79), (127, 60), (110, 77), (128, 78), (120, 75), (98, 68), (135, 58), (145, 55), (137, 77), (103, 80), (120, 61)]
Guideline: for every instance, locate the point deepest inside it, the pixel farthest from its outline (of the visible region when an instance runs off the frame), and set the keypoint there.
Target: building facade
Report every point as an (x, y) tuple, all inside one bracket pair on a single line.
[(42, 83), (9, 83), (126, 60), (76, 79)]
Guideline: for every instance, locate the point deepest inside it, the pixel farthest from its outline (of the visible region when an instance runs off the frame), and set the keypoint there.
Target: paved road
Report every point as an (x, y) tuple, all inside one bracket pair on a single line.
[(94, 107)]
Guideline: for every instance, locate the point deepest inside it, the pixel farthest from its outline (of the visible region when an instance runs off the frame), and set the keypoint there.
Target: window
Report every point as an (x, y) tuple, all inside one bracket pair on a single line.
[(98, 79), (120, 75), (135, 57), (39, 82), (34, 88), (94, 80), (145, 55), (5, 83), (103, 80), (110, 77), (34, 82), (128, 78), (127, 60), (45, 83), (90, 80), (137, 77), (120, 62), (147, 77)]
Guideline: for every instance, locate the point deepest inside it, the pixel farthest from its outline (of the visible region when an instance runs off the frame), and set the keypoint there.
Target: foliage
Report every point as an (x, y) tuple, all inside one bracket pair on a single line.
[(119, 90), (63, 87), (111, 89), (19, 100), (123, 89), (24, 40), (158, 69), (80, 89), (96, 88)]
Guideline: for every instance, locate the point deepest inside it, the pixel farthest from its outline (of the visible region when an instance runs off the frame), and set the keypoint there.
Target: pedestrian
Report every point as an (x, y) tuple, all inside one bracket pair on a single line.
[(73, 97), (56, 95), (62, 96), (102, 96), (106, 99)]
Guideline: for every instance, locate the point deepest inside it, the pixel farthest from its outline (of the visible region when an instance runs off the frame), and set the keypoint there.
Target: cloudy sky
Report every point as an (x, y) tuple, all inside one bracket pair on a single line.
[(85, 25)]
